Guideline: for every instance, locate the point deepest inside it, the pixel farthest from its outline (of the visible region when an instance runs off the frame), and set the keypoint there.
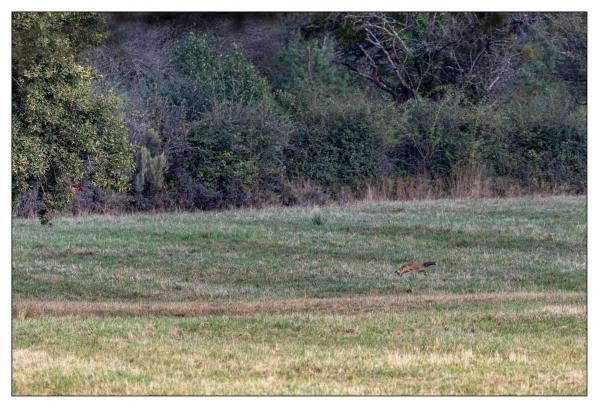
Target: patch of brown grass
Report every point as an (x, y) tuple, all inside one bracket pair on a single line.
[(25, 308), (469, 181)]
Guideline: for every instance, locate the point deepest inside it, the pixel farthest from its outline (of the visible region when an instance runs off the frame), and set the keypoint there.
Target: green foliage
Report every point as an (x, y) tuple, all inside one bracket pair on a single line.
[(153, 141), (237, 146), (150, 166), (538, 136), (27, 159), (216, 76), (346, 32), (63, 132), (340, 130), (237, 135), (561, 41), (531, 137), (339, 141), (434, 137), (308, 65)]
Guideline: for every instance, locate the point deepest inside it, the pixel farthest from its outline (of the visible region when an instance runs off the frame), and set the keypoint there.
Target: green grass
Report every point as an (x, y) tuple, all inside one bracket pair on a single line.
[(523, 347), (536, 244), (371, 333)]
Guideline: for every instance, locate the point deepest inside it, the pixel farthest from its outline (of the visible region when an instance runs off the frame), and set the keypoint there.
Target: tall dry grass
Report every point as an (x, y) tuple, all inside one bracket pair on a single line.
[(472, 181)]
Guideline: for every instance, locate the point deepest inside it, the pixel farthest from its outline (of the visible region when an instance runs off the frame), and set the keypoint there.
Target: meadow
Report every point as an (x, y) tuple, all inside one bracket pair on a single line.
[(304, 300)]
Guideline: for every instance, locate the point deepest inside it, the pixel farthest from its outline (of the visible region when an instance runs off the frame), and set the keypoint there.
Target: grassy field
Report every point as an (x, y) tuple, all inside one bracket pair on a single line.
[(271, 302)]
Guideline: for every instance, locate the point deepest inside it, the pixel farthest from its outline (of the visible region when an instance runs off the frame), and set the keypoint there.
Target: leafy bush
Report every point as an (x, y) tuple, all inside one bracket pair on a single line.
[(538, 136), (338, 141), (531, 137), (217, 77), (433, 137), (237, 146), (63, 132)]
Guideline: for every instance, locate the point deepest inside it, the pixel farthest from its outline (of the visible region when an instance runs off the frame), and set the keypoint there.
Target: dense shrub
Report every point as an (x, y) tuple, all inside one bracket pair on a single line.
[(338, 141), (433, 137), (236, 146), (216, 77), (538, 136)]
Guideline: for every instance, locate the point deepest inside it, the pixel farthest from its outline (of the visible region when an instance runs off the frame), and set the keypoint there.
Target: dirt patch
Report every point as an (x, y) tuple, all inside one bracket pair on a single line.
[(23, 308)]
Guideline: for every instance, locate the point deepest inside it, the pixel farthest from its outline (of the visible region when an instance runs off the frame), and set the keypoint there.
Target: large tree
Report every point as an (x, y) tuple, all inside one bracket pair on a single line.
[(409, 55), (63, 130)]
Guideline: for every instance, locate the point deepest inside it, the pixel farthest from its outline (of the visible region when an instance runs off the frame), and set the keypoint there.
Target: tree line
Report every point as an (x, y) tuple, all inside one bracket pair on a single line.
[(145, 111)]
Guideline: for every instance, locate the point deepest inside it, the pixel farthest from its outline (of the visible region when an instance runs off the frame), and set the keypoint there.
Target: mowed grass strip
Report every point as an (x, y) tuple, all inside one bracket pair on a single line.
[(339, 306), (495, 245), (493, 348)]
